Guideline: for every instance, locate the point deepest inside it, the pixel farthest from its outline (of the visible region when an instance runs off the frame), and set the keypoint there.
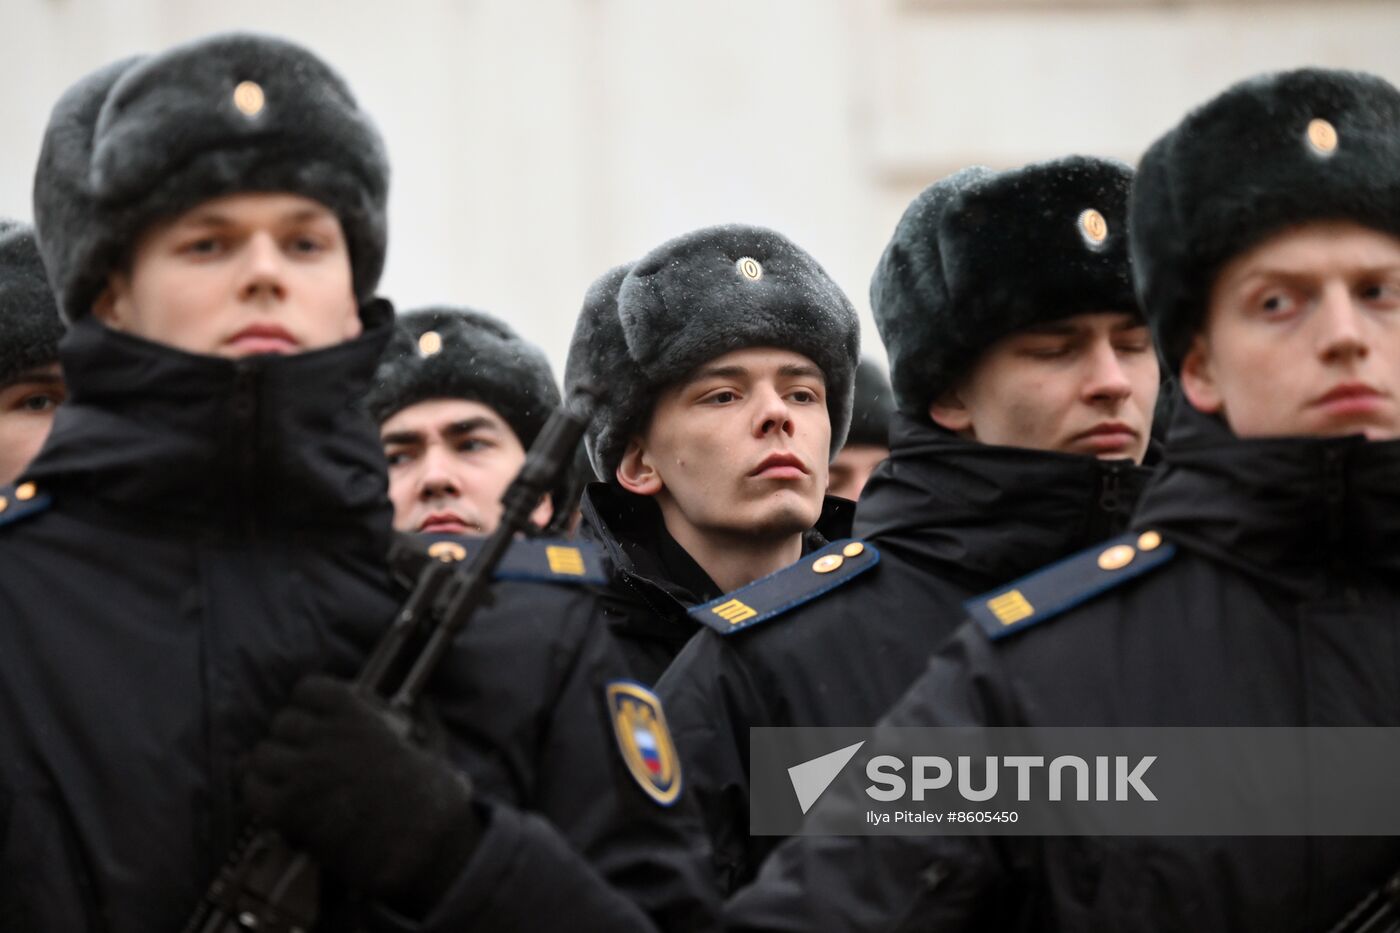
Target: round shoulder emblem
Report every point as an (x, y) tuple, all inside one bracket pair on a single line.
[(644, 740)]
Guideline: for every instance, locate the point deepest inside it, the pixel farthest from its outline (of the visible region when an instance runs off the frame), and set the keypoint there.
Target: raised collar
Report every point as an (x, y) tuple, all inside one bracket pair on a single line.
[(982, 514), (155, 435)]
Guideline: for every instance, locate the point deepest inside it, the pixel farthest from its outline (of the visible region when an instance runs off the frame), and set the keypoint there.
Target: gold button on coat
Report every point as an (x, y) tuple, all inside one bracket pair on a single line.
[(1120, 555), (25, 492), (854, 549), (1149, 541), (447, 551), (828, 563)]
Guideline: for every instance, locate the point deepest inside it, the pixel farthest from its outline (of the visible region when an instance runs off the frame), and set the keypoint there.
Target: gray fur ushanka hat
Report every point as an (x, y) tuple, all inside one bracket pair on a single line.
[(697, 297), (448, 352), (151, 137), (980, 255), (1270, 152), (29, 322)]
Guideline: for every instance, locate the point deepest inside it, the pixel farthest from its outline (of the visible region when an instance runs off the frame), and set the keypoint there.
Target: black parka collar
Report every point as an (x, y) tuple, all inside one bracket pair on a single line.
[(630, 529), (984, 514), (650, 561), (1298, 511), (227, 447)]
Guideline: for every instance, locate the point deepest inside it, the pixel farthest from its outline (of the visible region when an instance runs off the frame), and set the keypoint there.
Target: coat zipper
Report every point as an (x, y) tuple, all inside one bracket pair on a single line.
[(1110, 501), (1334, 496), (244, 408)]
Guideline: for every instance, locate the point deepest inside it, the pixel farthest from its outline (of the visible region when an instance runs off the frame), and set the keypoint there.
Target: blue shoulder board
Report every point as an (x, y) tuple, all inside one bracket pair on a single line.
[(771, 596), (1064, 585), (547, 560), (22, 501)]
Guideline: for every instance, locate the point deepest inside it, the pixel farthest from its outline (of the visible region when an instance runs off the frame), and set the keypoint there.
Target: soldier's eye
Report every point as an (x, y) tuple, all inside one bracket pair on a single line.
[(203, 246), (1381, 293), (1277, 302), (40, 401)]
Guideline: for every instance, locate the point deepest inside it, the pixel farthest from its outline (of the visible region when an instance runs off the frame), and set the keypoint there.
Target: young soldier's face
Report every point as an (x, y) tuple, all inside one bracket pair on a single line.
[(27, 404), (236, 276), (852, 467), (450, 461), (1302, 336), (739, 447), (1085, 384)]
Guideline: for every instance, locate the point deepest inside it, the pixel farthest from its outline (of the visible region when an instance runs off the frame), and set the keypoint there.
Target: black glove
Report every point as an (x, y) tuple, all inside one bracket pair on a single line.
[(386, 817)]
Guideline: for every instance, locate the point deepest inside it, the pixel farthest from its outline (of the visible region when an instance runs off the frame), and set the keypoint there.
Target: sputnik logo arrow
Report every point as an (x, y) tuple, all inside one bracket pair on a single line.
[(811, 778)]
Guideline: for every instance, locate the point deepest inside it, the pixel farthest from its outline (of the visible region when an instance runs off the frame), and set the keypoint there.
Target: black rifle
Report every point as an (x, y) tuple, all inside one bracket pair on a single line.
[(265, 884), (1378, 912)]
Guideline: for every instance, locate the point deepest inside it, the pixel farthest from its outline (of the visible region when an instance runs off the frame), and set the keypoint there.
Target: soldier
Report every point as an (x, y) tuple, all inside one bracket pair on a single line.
[(540, 745), (1025, 394), (31, 381), (458, 398), (868, 442), (727, 356), (208, 525), (159, 589), (1259, 585)]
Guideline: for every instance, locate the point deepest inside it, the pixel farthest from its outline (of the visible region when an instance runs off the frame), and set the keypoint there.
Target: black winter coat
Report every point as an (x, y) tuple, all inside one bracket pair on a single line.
[(950, 518), (1281, 607), (216, 529), (655, 582), (572, 841)]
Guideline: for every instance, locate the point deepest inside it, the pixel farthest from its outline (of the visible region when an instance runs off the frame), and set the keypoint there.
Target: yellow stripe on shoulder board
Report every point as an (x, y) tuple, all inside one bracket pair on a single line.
[(1011, 607), (1052, 590), (734, 611), (552, 560), (565, 560), (784, 590)]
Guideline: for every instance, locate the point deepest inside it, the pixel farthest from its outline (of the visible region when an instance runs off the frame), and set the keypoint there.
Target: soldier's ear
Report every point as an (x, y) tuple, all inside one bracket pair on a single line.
[(635, 471), (110, 306), (1198, 381), (948, 410)]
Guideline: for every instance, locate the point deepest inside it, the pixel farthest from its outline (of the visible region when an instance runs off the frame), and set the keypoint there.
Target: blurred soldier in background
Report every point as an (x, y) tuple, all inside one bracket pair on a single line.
[(868, 441), (458, 398), (31, 381)]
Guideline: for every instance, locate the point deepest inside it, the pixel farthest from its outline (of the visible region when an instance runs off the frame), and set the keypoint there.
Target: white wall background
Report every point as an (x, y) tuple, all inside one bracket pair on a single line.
[(535, 143)]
